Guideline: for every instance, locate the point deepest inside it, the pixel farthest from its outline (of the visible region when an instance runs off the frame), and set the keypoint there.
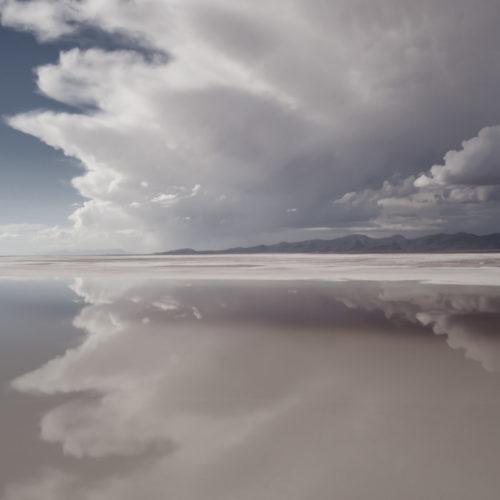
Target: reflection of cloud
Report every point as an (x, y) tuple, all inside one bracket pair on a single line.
[(268, 394), (143, 378), (470, 321), (50, 484), (92, 291), (477, 335)]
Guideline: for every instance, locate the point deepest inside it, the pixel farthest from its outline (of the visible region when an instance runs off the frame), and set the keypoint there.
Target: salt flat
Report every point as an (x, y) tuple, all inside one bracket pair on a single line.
[(465, 269)]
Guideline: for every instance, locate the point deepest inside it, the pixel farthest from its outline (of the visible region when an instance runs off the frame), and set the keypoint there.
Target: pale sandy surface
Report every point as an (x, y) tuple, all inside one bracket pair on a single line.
[(468, 269)]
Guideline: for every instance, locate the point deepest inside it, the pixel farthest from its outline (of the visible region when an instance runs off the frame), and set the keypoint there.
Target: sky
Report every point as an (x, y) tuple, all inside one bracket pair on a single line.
[(147, 125)]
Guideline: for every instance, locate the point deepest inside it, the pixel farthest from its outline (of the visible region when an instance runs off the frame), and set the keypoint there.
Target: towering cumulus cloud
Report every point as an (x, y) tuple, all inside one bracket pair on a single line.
[(230, 122), (463, 192)]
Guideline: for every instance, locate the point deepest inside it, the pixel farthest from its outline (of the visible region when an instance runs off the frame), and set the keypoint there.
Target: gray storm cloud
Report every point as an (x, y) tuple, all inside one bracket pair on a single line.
[(248, 121), (462, 193)]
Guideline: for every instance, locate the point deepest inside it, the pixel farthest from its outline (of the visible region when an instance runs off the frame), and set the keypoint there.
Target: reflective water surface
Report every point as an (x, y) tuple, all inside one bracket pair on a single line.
[(136, 388)]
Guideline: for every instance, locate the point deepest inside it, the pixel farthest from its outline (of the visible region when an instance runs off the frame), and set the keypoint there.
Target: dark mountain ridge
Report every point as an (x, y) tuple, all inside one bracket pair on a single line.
[(359, 243)]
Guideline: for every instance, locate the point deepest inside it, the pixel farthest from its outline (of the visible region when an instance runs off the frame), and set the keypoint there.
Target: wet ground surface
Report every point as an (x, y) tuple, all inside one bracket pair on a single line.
[(131, 386)]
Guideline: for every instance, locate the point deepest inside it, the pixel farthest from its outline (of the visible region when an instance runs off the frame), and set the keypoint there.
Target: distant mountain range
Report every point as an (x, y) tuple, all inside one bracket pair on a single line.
[(358, 243), (98, 252)]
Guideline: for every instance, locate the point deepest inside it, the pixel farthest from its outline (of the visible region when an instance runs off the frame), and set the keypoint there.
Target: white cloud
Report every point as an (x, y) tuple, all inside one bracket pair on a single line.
[(266, 106), (41, 17), (476, 164), (461, 194), (9, 236), (12, 234)]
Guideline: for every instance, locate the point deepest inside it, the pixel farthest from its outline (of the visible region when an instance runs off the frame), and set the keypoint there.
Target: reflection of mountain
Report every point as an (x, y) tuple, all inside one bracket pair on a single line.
[(270, 390)]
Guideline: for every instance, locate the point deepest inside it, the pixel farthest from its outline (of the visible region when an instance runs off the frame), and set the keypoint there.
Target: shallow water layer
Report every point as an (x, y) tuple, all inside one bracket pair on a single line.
[(125, 388)]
